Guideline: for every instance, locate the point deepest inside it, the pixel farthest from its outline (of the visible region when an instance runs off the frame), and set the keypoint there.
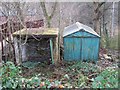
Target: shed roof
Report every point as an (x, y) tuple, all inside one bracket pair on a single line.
[(77, 27), (37, 31)]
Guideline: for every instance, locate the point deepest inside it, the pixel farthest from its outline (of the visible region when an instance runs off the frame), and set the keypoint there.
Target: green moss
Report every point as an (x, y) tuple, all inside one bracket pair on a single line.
[(37, 31)]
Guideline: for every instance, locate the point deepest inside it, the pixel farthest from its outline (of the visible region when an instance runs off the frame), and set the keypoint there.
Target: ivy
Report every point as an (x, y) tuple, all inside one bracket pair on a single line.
[(11, 79), (106, 79)]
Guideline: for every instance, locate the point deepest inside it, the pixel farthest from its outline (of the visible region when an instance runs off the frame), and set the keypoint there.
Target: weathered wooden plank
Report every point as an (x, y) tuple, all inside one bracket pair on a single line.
[(17, 53), (37, 31), (51, 50), (23, 49), (1, 46), (56, 50)]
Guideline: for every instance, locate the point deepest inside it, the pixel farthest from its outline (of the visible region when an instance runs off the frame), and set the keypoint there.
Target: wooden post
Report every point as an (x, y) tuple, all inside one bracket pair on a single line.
[(55, 50), (0, 46), (23, 53), (51, 49), (0, 57), (17, 54), (59, 47)]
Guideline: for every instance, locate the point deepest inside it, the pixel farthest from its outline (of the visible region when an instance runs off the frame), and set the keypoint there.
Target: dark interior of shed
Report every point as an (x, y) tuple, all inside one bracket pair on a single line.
[(38, 50)]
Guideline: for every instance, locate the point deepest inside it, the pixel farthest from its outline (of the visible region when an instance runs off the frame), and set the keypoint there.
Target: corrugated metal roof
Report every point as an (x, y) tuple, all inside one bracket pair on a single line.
[(77, 27)]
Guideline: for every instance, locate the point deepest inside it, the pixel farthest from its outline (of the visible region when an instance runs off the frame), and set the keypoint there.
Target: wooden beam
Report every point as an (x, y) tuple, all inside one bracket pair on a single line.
[(17, 53), (1, 46), (55, 50), (51, 50)]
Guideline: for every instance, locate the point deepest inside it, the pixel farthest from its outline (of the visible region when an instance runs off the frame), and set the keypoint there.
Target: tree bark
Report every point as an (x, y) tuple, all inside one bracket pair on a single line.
[(97, 6), (48, 17)]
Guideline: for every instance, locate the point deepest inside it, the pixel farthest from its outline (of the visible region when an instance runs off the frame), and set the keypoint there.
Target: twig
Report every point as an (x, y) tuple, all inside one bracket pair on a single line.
[(93, 74)]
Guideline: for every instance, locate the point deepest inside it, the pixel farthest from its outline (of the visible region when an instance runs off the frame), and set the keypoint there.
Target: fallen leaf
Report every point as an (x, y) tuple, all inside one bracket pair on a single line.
[(60, 86), (107, 57)]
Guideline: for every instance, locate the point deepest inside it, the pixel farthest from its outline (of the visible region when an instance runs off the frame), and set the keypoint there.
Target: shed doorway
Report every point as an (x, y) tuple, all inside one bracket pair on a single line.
[(38, 51)]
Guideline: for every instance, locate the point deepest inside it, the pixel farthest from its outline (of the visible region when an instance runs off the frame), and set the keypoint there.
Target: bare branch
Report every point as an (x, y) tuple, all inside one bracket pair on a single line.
[(54, 8), (44, 9)]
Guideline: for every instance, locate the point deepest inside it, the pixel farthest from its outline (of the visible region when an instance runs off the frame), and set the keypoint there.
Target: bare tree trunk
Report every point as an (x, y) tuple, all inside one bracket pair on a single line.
[(10, 26), (11, 42), (112, 20), (48, 17), (97, 14)]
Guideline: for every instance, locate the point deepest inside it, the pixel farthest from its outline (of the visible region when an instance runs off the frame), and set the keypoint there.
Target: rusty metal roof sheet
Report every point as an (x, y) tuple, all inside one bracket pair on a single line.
[(77, 27)]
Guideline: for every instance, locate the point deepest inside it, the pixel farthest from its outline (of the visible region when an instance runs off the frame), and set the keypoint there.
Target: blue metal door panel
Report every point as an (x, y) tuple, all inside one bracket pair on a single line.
[(68, 45), (90, 48), (72, 47), (77, 48)]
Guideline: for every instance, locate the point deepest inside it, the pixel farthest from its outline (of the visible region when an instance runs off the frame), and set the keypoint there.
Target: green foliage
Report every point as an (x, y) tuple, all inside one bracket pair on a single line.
[(80, 72), (49, 84), (33, 82), (107, 79), (77, 75), (84, 67), (11, 79), (9, 74), (81, 82)]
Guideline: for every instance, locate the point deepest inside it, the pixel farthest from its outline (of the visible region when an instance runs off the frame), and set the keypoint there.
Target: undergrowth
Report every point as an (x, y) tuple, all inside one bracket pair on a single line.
[(73, 75)]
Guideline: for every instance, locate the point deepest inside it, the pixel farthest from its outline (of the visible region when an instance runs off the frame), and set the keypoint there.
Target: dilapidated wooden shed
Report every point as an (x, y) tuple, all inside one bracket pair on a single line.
[(80, 43), (36, 44)]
